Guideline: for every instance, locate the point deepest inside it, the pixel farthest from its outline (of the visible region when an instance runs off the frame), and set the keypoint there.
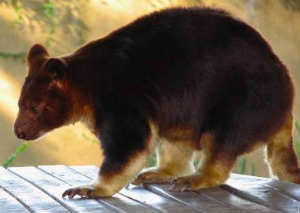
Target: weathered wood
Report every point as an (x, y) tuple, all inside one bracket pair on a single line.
[(289, 189), (74, 178), (144, 196), (29, 194), (55, 188), (255, 190), (203, 203), (140, 195), (211, 200), (234, 201), (38, 189), (11, 204)]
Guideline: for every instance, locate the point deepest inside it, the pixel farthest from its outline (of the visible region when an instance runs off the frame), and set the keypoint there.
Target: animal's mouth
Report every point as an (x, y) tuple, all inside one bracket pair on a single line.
[(28, 135), (31, 138)]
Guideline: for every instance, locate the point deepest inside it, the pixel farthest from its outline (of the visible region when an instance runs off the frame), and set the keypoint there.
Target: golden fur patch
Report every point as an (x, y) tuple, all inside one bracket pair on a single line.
[(174, 159), (107, 185), (212, 170), (281, 156), (115, 182), (179, 134)]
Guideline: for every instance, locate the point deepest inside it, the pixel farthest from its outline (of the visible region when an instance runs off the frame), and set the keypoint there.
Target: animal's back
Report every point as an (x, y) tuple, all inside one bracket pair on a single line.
[(200, 67), (194, 67)]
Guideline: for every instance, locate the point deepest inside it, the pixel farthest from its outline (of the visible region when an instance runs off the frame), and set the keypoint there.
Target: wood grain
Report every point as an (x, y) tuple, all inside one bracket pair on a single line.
[(29, 194), (39, 189)]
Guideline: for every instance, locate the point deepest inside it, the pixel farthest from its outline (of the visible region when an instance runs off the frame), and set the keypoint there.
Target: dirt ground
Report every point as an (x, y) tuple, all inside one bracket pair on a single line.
[(70, 24)]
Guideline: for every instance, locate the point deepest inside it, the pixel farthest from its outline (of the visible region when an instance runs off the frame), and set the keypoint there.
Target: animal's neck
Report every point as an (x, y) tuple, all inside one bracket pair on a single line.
[(81, 105)]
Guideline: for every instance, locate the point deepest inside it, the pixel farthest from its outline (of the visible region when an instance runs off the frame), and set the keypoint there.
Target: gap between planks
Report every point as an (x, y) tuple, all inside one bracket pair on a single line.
[(158, 190), (290, 190), (26, 207), (28, 194), (44, 191), (283, 192), (125, 193), (52, 188), (100, 201)]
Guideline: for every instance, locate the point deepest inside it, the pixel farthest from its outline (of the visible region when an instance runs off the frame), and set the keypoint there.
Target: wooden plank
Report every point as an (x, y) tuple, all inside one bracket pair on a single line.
[(128, 205), (216, 195), (144, 196), (118, 202), (221, 195), (188, 198), (10, 204), (36, 187), (55, 188), (289, 189), (213, 199), (28, 194), (255, 190), (161, 203), (90, 172)]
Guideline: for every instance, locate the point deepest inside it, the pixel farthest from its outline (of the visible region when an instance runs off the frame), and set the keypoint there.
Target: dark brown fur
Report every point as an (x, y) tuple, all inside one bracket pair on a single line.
[(190, 72)]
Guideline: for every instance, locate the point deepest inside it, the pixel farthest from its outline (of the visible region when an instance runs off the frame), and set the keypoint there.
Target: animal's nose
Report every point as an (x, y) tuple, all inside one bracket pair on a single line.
[(20, 134)]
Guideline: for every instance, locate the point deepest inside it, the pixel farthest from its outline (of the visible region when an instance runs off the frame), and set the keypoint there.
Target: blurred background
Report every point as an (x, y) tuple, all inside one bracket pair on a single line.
[(63, 26)]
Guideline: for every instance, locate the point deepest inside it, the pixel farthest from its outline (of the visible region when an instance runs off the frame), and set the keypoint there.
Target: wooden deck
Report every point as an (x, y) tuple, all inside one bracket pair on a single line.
[(39, 189)]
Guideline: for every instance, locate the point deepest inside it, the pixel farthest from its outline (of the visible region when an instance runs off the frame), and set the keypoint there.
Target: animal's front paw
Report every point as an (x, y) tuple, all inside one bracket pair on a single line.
[(88, 191), (153, 176)]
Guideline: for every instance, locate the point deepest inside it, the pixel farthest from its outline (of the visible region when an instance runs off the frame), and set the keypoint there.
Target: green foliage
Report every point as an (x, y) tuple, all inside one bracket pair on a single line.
[(152, 161), (297, 127), (297, 142), (15, 154), (291, 4), (15, 56), (196, 162), (242, 165), (17, 8), (48, 11)]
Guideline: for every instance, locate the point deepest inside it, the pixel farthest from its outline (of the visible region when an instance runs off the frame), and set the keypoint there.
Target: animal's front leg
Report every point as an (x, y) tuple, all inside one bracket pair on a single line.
[(126, 142), (110, 181)]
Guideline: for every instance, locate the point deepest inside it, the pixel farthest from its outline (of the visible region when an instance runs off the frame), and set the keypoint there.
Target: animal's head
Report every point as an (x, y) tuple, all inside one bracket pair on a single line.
[(43, 103)]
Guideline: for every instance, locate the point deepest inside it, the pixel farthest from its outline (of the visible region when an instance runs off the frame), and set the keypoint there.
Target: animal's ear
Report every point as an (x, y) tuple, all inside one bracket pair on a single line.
[(56, 67), (37, 51)]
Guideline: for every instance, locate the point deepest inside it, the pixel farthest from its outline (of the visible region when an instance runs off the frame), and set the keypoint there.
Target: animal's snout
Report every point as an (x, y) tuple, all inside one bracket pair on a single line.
[(20, 133)]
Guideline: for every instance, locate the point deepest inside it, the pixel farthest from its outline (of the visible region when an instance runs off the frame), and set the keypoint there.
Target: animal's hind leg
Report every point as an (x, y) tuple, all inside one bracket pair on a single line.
[(174, 160), (281, 155), (215, 166)]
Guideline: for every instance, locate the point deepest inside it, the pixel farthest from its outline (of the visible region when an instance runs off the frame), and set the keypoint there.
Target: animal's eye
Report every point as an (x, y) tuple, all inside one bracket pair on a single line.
[(52, 92), (47, 108), (34, 109)]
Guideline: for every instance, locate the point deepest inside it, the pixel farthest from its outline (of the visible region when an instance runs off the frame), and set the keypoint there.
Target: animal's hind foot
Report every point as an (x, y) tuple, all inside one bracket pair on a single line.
[(153, 176), (195, 182)]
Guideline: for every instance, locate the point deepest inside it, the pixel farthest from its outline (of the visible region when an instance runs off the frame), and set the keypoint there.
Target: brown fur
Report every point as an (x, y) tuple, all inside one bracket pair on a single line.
[(187, 79)]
